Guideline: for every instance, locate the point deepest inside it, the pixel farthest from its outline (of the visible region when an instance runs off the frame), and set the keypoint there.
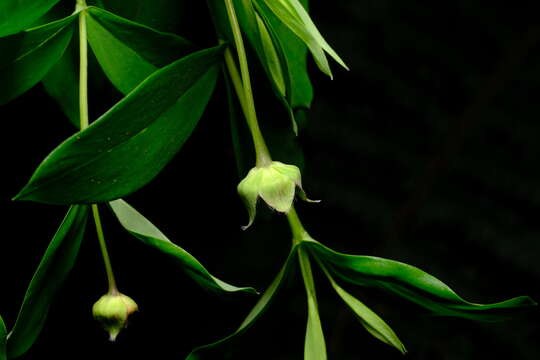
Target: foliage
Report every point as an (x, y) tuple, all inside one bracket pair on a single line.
[(166, 83)]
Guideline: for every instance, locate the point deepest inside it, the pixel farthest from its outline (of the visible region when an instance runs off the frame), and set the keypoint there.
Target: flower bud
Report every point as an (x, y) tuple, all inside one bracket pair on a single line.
[(275, 183), (112, 311)]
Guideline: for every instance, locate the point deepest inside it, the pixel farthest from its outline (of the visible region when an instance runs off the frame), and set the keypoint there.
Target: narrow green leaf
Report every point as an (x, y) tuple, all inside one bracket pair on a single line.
[(26, 57), (258, 36), (273, 61), (214, 350), (370, 320), (413, 284), (49, 276), (129, 52), (150, 235), (16, 15), (315, 345), (300, 90), (130, 144), (295, 17), (3, 339)]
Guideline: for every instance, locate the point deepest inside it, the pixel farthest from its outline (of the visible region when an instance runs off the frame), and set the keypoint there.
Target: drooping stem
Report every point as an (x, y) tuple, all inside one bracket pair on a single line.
[(104, 252), (84, 122), (236, 80), (246, 96)]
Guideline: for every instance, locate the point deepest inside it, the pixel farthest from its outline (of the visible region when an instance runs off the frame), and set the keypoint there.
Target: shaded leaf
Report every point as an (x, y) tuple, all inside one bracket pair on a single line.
[(150, 235), (370, 320), (214, 350), (412, 284), (16, 15), (26, 57), (49, 276), (3, 340), (130, 144), (129, 52), (62, 83), (164, 15)]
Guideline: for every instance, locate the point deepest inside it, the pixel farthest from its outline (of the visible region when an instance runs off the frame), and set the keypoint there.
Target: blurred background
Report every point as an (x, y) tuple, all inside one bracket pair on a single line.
[(425, 152)]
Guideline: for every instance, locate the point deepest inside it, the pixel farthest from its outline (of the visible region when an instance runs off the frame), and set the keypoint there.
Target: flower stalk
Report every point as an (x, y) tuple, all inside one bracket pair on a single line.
[(84, 122), (245, 93)]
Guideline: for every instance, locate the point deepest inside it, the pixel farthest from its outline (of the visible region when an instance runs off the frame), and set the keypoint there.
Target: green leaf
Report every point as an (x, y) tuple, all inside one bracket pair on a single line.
[(129, 52), (261, 39), (371, 321), (215, 350), (296, 18), (49, 276), (130, 144), (62, 83), (300, 90), (26, 57), (272, 59), (150, 235), (3, 340), (164, 15), (315, 345), (412, 284), (16, 15)]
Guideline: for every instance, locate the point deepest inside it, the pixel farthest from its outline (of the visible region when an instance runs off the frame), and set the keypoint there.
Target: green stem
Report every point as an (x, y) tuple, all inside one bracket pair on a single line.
[(236, 79), (104, 252), (299, 233), (83, 67), (297, 229), (84, 122), (307, 274), (261, 150)]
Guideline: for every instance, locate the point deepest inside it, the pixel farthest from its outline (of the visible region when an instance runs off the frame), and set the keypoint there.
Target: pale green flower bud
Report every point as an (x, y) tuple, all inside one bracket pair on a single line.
[(112, 311), (276, 184)]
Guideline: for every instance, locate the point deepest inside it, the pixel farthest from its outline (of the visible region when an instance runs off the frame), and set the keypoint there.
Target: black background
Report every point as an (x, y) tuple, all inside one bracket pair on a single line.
[(425, 152)]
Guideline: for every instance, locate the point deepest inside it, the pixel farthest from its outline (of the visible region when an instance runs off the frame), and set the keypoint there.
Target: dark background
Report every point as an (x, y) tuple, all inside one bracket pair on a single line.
[(425, 152)]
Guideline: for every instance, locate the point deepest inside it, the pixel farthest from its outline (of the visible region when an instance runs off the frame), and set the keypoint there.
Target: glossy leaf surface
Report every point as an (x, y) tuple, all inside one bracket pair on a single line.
[(129, 52), (129, 145), (49, 276), (26, 57), (16, 15), (3, 340), (370, 320), (214, 350), (412, 284), (150, 235)]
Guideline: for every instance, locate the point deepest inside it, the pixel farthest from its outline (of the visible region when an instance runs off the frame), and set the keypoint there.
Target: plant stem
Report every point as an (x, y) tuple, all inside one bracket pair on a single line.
[(83, 68), (297, 229), (261, 150), (84, 122), (104, 252), (236, 79)]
